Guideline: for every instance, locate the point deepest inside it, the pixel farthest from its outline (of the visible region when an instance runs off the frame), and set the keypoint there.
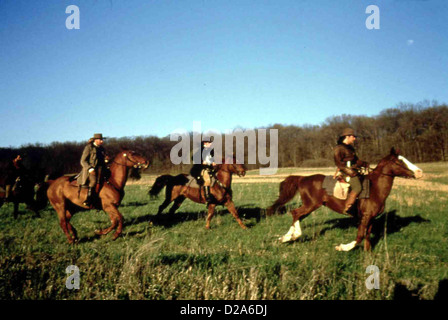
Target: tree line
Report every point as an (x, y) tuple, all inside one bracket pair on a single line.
[(420, 131)]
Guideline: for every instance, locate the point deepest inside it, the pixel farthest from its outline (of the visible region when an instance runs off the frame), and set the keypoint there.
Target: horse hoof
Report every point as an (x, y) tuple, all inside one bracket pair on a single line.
[(346, 247), (98, 232), (115, 237)]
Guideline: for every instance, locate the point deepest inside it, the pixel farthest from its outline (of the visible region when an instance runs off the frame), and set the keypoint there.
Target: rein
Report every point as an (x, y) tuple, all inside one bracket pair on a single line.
[(391, 175), (127, 159)]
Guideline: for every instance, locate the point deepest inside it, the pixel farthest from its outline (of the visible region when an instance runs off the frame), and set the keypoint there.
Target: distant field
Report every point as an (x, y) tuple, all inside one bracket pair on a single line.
[(177, 258)]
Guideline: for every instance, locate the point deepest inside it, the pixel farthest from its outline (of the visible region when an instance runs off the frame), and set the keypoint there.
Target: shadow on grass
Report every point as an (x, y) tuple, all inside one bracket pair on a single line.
[(401, 292), (167, 220), (134, 204), (394, 224)]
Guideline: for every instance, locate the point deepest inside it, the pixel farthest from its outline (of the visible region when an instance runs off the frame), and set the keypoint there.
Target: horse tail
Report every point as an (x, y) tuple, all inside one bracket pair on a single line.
[(288, 189), (159, 184)]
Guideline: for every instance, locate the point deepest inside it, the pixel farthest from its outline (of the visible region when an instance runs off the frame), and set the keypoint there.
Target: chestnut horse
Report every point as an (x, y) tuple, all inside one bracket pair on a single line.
[(313, 197), (177, 189), (67, 199)]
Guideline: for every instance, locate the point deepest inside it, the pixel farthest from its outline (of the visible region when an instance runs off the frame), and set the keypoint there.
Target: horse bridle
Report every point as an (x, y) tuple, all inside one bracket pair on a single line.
[(233, 166), (136, 163), (398, 163)]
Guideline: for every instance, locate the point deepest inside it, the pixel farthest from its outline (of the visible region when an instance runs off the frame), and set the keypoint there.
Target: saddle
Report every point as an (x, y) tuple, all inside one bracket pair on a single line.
[(339, 188), (209, 180), (74, 182)]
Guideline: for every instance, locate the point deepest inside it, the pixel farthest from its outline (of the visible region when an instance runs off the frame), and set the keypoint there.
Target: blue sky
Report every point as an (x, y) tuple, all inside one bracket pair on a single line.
[(138, 68)]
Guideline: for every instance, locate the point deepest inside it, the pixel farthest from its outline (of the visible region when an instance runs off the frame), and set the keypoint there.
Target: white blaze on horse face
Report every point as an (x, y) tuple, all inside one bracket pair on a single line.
[(417, 171)]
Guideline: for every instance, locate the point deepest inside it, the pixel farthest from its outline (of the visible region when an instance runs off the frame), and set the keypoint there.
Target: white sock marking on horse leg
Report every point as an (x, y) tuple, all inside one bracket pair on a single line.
[(288, 236), (297, 230), (346, 247)]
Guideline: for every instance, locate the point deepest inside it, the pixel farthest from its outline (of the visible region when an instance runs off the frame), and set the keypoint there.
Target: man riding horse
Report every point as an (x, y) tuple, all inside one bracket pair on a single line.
[(14, 171), (93, 162), (203, 171), (348, 164)]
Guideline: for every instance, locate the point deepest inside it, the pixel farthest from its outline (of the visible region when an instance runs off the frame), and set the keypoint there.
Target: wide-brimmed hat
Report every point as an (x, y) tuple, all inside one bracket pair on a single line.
[(98, 136), (206, 140), (348, 132)]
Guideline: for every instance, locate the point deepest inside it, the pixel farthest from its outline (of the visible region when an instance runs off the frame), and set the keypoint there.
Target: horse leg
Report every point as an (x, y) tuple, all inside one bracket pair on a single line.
[(116, 220), (168, 199), (367, 244), (120, 225), (231, 207), (278, 205), (61, 212), (211, 212), (164, 205), (71, 229), (362, 229), (177, 203), (298, 214)]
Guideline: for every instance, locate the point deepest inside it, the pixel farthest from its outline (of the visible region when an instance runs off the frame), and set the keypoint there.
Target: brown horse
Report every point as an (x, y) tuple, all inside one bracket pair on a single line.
[(178, 189), (313, 197), (66, 198)]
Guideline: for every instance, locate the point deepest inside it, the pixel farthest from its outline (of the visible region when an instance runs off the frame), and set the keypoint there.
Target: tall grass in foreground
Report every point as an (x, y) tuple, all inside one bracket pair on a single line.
[(176, 258)]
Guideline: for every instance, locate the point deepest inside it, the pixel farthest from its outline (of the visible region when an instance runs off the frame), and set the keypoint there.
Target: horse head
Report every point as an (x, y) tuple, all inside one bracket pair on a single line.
[(234, 166), (397, 165), (131, 158)]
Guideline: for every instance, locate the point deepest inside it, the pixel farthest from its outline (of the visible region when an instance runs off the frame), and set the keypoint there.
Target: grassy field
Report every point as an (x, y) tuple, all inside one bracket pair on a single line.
[(175, 257)]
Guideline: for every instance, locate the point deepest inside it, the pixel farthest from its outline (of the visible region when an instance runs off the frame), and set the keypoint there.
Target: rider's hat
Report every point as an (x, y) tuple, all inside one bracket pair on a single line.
[(348, 132), (206, 140), (98, 136)]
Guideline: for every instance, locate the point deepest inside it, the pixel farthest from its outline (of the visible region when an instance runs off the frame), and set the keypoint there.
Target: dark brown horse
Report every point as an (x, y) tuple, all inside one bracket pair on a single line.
[(27, 191), (313, 197), (178, 189), (66, 198)]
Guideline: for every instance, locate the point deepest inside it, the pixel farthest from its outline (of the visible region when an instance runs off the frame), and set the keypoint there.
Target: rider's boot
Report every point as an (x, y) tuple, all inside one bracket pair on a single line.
[(8, 193), (351, 198), (208, 195), (88, 201)]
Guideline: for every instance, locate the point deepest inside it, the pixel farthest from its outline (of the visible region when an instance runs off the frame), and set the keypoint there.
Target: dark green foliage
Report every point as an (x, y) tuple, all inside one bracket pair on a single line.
[(420, 131)]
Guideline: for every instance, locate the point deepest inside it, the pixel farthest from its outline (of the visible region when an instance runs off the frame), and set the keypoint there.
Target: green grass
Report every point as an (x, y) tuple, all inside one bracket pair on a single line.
[(177, 258)]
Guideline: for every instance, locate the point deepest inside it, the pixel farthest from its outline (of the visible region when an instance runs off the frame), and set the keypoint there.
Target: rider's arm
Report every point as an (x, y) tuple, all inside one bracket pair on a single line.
[(339, 156), (85, 158)]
